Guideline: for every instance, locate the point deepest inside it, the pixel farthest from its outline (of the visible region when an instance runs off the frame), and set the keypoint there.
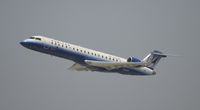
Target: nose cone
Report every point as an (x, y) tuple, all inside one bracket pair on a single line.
[(24, 43)]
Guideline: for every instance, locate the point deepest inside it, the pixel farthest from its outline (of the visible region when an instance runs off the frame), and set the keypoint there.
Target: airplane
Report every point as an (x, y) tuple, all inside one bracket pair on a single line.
[(91, 60)]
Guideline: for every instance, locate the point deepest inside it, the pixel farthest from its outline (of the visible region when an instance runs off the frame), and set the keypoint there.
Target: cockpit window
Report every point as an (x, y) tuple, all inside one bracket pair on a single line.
[(35, 38), (32, 37), (38, 38)]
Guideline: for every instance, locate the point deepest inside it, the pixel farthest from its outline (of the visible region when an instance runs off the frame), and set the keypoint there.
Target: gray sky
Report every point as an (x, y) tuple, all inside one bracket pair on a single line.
[(33, 81)]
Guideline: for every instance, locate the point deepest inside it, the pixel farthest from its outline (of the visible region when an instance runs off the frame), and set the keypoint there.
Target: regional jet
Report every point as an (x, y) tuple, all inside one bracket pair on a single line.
[(91, 60)]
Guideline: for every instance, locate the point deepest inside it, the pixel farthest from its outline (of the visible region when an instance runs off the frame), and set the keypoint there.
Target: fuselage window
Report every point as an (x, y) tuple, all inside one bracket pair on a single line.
[(88, 52), (95, 54), (81, 50), (77, 49), (98, 55), (92, 53), (102, 56), (66, 46), (84, 51), (73, 48), (62, 45), (109, 58)]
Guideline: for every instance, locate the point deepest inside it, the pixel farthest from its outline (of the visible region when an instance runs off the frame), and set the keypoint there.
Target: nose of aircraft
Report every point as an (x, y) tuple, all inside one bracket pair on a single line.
[(24, 43)]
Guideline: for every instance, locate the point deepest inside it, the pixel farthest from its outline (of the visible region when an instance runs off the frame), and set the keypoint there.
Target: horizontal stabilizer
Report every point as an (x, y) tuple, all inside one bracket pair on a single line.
[(165, 55)]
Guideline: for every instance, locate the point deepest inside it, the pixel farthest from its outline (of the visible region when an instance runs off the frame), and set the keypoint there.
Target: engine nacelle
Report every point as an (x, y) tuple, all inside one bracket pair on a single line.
[(133, 59)]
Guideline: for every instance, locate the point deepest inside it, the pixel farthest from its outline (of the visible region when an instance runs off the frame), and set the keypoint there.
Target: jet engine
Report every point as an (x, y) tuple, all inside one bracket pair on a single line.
[(133, 59)]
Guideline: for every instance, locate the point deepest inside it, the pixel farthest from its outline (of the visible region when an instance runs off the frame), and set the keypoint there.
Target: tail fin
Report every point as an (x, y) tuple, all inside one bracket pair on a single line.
[(154, 57)]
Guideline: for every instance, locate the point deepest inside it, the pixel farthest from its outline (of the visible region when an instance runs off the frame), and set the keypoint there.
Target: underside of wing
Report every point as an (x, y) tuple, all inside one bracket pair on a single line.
[(115, 65), (78, 67)]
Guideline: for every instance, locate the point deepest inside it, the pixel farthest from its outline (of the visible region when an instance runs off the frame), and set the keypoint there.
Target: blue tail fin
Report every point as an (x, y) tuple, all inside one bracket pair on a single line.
[(154, 57)]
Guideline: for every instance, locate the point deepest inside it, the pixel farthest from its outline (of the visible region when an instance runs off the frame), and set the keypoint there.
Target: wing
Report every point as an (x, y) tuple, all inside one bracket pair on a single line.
[(115, 65), (78, 67)]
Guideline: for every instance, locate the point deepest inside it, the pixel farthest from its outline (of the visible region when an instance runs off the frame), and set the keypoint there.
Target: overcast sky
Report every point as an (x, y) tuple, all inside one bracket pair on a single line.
[(33, 81)]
